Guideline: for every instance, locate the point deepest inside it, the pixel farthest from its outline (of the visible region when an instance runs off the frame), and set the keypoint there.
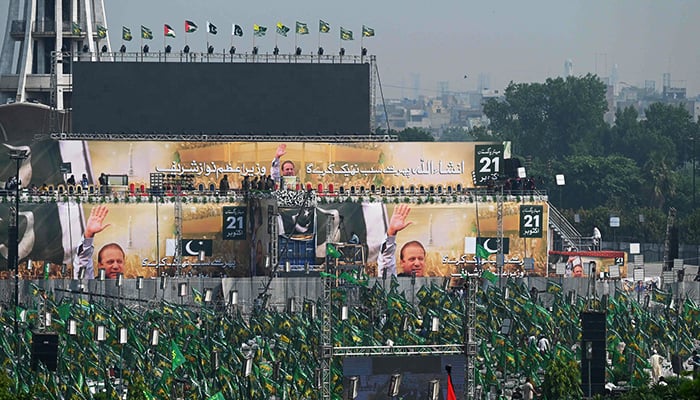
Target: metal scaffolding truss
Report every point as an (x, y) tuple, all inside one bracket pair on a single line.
[(170, 137), (418, 350)]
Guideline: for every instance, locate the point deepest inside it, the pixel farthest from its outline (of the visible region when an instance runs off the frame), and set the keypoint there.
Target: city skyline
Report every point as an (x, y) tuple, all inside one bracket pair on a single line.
[(420, 44)]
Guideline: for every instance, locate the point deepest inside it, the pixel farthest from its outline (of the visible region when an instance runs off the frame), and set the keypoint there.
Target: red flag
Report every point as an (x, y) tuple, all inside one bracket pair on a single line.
[(450, 388)]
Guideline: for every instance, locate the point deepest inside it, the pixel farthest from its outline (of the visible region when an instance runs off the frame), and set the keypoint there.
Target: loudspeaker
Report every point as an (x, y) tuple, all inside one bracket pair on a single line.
[(673, 243), (592, 353), (45, 350), (510, 168), (676, 363)]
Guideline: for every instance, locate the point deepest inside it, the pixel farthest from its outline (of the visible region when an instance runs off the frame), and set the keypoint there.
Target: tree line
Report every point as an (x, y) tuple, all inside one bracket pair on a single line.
[(636, 169)]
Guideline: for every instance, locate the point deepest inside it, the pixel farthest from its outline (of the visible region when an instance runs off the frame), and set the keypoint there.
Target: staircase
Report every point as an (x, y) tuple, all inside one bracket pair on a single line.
[(570, 237)]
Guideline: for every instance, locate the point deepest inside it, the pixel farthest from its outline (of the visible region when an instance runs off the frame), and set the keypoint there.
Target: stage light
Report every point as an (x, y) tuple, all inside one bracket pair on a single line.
[(434, 389), (139, 282), (320, 51), (120, 279), (123, 335), (353, 383), (233, 297), (435, 324), (298, 52), (122, 49), (208, 294), (168, 49), (276, 50), (182, 289), (394, 385), (101, 274), (248, 367), (153, 337), (186, 49), (342, 51), (214, 360), (72, 327), (255, 50), (100, 333), (145, 48)]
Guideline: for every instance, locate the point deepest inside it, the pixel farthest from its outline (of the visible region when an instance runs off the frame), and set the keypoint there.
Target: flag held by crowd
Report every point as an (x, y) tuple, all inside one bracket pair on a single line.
[(211, 28), (302, 28), (168, 31), (190, 26), (282, 29), (345, 34), (258, 30), (126, 34), (146, 33)]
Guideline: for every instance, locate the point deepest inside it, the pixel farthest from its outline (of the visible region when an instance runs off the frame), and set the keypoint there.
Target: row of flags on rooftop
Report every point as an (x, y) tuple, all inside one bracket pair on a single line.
[(301, 28)]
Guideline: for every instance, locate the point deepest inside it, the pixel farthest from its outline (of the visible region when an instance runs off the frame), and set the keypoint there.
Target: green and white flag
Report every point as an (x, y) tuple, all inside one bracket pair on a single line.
[(282, 29), (345, 34), (101, 32), (367, 31), (323, 27), (146, 33), (177, 357), (76, 28), (258, 30), (302, 29), (126, 34)]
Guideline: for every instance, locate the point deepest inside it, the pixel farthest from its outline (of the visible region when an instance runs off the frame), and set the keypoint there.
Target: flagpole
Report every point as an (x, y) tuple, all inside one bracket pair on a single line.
[(233, 33)]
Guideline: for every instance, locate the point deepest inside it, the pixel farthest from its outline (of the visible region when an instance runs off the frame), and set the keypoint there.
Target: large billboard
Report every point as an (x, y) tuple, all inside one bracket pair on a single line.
[(388, 179), (216, 98)]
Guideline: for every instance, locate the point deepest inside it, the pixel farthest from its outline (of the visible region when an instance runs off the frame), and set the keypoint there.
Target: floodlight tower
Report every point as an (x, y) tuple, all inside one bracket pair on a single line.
[(36, 31)]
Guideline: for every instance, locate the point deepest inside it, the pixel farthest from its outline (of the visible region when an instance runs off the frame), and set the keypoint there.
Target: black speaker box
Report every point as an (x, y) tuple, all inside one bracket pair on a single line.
[(592, 353), (45, 350)]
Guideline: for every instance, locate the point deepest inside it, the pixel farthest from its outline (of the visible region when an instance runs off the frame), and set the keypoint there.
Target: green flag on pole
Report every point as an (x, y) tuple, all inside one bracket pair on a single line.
[(177, 357), (332, 251)]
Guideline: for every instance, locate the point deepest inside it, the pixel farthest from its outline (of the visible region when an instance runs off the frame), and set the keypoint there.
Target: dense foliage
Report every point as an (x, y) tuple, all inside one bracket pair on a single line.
[(641, 165)]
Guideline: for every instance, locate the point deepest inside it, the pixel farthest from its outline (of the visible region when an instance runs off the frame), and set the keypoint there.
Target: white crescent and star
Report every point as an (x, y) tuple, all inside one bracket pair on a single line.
[(486, 246), (189, 250)]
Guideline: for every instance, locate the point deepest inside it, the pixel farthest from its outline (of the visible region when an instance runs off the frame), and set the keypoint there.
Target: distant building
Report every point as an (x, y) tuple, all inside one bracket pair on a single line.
[(568, 68)]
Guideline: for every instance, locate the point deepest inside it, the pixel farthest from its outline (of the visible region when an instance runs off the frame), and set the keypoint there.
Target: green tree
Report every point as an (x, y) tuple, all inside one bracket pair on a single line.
[(562, 380), (415, 135), (456, 134), (557, 118)]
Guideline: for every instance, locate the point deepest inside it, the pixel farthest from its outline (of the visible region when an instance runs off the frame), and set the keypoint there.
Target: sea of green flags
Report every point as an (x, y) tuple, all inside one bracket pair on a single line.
[(283, 346)]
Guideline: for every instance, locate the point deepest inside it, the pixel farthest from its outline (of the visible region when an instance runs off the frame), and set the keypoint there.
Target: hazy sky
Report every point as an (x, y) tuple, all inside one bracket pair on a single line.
[(444, 40)]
